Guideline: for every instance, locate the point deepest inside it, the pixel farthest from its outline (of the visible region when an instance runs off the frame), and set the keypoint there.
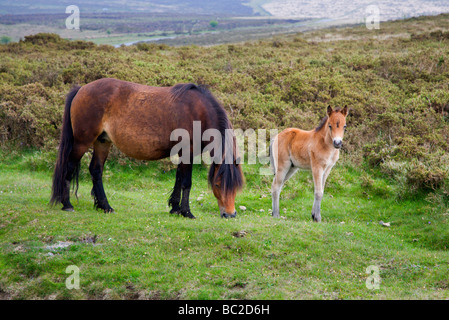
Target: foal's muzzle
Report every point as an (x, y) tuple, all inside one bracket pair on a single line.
[(338, 143), (225, 215)]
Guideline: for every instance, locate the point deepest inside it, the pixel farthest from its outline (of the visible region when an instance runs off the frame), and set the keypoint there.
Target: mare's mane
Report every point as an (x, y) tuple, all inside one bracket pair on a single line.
[(230, 174)]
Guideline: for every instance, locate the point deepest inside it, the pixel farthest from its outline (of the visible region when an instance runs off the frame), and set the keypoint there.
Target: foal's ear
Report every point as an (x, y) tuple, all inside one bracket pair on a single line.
[(345, 111), (329, 110)]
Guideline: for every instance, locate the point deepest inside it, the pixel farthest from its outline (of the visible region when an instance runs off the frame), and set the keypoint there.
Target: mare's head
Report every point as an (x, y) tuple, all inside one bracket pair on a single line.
[(226, 179)]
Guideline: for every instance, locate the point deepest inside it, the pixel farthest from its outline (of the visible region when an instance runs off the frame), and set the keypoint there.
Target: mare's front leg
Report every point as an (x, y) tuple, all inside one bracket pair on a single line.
[(175, 197), (318, 174), (186, 184)]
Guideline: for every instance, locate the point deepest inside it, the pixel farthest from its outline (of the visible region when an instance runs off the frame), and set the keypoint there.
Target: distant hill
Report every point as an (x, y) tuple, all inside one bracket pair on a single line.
[(234, 7), (348, 10), (353, 10)]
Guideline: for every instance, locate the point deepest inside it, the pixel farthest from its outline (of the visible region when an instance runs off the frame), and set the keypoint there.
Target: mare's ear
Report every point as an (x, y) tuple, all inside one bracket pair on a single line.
[(345, 111), (329, 110)]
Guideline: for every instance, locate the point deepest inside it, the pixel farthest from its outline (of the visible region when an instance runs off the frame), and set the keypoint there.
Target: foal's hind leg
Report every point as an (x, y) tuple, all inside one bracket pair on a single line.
[(101, 151), (283, 172)]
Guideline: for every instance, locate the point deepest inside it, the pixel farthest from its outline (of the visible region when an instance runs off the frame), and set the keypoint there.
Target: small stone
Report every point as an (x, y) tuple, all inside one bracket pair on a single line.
[(385, 224), (243, 208)]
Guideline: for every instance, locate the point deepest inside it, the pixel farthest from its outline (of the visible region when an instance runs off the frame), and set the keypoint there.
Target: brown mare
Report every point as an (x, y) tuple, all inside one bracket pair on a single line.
[(139, 119), (316, 150)]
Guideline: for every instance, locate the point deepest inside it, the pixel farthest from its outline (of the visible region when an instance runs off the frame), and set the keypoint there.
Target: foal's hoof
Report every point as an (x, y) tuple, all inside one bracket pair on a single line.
[(70, 209), (225, 215), (316, 218), (188, 214)]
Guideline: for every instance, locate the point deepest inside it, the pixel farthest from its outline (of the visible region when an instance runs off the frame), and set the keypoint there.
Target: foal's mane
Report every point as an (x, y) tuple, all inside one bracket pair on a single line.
[(324, 120), (231, 174)]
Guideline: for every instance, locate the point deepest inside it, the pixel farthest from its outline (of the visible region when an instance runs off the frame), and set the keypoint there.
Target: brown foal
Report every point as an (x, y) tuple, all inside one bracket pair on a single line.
[(316, 150)]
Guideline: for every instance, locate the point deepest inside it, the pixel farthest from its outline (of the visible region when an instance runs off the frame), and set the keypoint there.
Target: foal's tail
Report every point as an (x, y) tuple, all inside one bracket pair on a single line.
[(274, 150), (61, 174)]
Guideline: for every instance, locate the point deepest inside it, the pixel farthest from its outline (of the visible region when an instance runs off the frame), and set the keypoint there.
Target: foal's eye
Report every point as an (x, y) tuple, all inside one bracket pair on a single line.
[(330, 127), (344, 127)]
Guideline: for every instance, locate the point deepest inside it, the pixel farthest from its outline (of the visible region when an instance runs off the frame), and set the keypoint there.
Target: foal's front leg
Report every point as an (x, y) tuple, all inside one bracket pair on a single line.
[(318, 174)]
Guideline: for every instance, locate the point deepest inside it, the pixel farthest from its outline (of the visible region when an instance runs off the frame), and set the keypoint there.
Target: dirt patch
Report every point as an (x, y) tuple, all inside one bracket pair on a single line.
[(4, 295), (59, 245), (88, 239), (240, 234)]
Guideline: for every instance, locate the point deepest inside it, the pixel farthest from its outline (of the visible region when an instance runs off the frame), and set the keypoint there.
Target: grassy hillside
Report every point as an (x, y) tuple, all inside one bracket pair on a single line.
[(393, 168)]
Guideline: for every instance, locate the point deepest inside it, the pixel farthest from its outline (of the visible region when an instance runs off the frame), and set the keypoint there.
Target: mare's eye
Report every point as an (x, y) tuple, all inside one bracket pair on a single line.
[(344, 127), (330, 127)]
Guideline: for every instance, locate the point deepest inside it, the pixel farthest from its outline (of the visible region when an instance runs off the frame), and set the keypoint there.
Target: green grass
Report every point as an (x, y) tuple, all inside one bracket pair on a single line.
[(143, 251)]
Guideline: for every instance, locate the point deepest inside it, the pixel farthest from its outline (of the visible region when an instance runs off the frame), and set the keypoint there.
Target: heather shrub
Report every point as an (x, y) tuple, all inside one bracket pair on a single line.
[(397, 91), (30, 115)]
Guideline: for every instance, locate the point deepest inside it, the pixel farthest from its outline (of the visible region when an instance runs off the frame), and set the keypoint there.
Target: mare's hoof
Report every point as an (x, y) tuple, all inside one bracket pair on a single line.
[(70, 209), (188, 214), (225, 215), (177, 211)]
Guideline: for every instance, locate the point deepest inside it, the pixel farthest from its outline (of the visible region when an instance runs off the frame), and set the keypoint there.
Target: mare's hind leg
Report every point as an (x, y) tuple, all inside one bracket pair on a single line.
[(73, 166), (283, 172), (186, 184), (101, 151), (175, 197)]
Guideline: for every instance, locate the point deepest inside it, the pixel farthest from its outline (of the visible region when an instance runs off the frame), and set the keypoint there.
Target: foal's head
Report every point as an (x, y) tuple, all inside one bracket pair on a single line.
[(337, 124)]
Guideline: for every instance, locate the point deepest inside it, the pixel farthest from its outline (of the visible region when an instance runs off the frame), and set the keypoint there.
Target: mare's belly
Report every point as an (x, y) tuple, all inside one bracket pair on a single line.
[(141, 144)]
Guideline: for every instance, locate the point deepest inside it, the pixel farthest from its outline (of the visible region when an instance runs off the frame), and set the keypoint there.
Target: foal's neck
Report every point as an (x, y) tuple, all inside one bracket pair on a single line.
[(324, 136)]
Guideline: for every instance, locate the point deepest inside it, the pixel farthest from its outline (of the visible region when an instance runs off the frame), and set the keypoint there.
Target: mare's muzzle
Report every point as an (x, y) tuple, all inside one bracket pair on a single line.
[(225, 215)]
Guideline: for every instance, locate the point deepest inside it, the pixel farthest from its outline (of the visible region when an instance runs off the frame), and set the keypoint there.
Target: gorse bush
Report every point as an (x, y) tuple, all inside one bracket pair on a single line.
[(397, 90)]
